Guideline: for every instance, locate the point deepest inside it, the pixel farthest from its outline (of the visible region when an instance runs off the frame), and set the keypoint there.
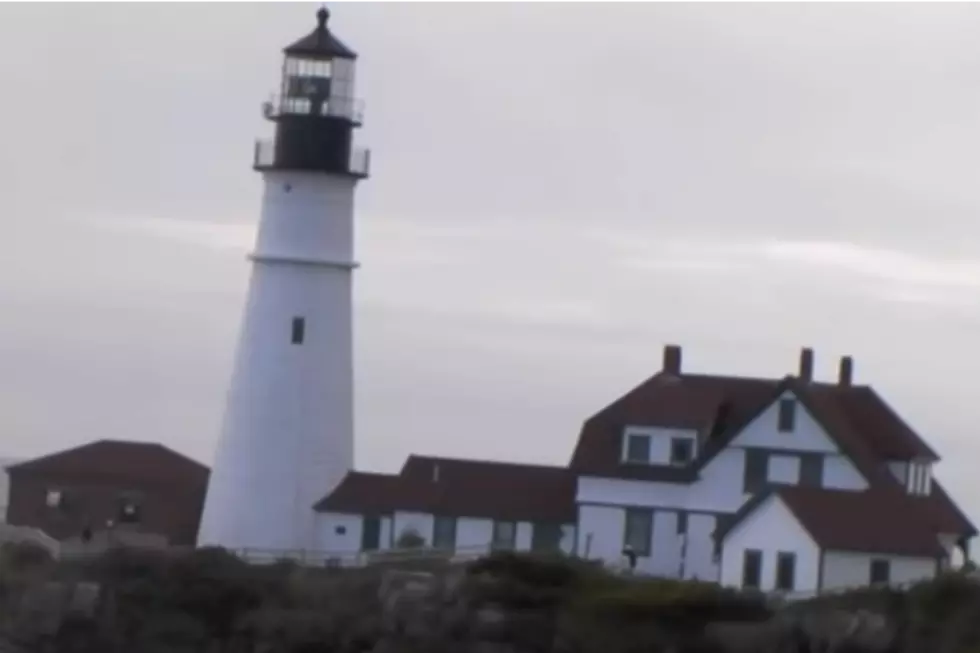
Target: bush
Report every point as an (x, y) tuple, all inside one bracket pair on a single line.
[(410, 539), (674, 601), (19, 556), (528, 581), (286, 631), (172, 632), (540, 570), (189, 597)]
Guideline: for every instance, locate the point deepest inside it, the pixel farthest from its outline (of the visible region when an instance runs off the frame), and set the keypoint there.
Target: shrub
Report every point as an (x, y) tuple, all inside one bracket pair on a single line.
[(673, 601), (171, 632), (286, 631), (203, 591), (530, 581), (410, 539), (540, 570), (217, 587), (18, 556)]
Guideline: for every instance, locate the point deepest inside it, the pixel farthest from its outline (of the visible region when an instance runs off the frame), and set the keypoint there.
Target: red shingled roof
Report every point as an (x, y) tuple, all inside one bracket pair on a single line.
[(880, 426), (460, 488), (939, 509), (147, 461), (855, 416), (688, 401), (873, 521)]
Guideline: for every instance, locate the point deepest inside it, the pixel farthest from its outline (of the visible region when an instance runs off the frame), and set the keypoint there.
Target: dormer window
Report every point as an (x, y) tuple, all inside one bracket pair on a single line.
[(919, 481), (637, 448), (681, 451), (787, 415)]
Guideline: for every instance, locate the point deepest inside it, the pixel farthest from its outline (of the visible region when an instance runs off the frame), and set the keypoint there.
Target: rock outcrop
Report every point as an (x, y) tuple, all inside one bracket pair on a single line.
[(499, 605)]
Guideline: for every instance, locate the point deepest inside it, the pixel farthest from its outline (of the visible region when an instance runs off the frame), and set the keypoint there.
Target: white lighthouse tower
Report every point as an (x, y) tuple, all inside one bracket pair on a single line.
[(288, 432)]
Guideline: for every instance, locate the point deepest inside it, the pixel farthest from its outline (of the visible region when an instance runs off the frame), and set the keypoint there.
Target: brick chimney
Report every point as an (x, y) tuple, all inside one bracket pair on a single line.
[(846, 373), (672, 359), (806, 364)]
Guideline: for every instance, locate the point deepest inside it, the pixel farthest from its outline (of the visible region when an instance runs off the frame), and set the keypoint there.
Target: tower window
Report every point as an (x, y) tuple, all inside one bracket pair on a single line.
[(299, 330)]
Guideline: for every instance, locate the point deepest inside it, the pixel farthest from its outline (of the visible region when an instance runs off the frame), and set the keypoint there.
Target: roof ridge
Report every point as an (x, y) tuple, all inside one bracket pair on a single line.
[(483, 461)]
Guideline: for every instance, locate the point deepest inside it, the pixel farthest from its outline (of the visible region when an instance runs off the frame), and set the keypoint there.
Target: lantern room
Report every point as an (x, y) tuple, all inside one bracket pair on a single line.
[(316, 109)]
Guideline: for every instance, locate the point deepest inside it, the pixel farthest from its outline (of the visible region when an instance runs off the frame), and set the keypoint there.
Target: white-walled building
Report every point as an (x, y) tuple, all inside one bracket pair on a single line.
[(460, 505), (792, 537), (785, 484)]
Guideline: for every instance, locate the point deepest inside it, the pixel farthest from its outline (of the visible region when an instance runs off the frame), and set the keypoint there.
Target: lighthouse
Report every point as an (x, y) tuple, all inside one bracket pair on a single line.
[(287, 436)]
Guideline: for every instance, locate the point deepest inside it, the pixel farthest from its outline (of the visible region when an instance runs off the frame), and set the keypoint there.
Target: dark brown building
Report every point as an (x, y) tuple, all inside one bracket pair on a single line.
[(121, 487)]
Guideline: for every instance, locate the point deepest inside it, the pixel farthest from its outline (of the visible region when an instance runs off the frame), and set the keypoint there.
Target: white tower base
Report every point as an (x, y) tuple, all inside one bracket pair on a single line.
[(288, 432)]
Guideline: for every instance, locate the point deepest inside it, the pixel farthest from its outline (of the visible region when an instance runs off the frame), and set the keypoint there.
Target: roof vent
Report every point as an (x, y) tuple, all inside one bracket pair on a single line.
[(846, 373), (672, 359), (806, 364)]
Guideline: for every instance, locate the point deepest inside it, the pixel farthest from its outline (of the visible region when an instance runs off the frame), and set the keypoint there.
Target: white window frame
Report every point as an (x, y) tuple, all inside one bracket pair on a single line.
[(628, 434), (694, 450), (919, 478)]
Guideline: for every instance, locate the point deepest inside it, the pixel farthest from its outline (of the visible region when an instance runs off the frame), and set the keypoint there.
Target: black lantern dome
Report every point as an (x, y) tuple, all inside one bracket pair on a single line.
[(320, 43), (315, 112)]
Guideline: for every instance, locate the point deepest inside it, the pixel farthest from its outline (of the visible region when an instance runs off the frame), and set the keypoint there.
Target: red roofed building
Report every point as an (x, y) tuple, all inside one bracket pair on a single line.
[(140, 491), (784, 484)]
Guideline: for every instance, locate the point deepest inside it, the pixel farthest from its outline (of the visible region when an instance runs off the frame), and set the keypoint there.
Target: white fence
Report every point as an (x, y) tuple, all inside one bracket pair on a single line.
[(361, 558)]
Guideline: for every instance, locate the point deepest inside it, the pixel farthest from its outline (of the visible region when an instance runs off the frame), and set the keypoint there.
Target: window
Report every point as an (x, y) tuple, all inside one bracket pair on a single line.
[(546, 537), (637, 448), (504, 535), (881, 572), (811, 470), (54, 499), (756, 470), (299, 330), (371, 534), (681, 451), (787, 415), (444, 533), (639, 530), (918, 482), (130, 508), (340, 530), (785, 571), (682, 523), (751, 569)]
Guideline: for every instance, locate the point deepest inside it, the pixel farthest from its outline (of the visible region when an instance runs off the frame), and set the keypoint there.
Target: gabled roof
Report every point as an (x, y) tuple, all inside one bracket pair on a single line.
[(460, 488), (669, 400), (368, 493), (865, 428), (122, 459), (719, 407), (874, 521)]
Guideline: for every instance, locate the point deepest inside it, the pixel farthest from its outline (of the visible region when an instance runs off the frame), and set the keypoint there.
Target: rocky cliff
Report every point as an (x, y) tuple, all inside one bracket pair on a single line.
[(210, 602)]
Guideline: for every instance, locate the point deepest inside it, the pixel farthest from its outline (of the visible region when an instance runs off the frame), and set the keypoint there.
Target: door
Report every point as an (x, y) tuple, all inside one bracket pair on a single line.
[(371, 534), (546, 537)]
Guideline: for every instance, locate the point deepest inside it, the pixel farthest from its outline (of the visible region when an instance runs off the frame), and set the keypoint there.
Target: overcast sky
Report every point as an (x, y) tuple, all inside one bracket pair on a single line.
[(558, 191)]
